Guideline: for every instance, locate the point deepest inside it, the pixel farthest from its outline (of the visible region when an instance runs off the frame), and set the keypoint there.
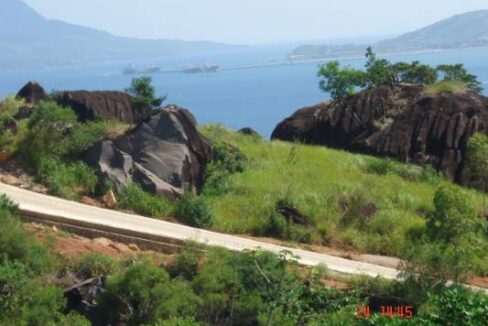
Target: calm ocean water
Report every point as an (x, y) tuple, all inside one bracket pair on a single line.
[(258, 98)]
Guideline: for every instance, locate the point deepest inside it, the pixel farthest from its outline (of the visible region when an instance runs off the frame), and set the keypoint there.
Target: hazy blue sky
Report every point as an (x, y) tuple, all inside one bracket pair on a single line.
[(254, 21)]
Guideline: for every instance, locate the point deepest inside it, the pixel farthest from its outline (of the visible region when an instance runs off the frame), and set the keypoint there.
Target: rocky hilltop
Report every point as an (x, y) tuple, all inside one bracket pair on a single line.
[(163, 152), (402, 123)]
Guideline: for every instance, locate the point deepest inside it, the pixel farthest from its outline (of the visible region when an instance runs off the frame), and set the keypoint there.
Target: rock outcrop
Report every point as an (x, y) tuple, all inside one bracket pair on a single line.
[(401, 123), (164, 154), (102, 104), (32, 93), (249, 132)]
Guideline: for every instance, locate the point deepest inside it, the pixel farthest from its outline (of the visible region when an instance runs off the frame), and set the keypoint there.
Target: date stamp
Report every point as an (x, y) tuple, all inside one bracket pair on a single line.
[(403, 312)]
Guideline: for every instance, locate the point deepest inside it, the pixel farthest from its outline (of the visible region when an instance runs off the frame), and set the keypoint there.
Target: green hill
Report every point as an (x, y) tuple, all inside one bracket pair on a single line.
[(352, 200), (460, 31)]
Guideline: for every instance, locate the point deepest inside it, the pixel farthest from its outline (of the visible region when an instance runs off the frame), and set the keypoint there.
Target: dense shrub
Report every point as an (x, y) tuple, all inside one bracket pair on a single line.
[(93, 265), (16, 245), (452, 243), (226, 161), (477, 162), (134, 198), (186, 263), (67, 180), (177, 321), (144, 294), (55, 131), (7, 206), (193, 210), (457, 307)]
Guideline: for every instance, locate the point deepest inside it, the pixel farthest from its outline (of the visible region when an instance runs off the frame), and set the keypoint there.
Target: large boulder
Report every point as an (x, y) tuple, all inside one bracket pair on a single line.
[(164, 154), (102, 104), (401, 123), (32, 93)]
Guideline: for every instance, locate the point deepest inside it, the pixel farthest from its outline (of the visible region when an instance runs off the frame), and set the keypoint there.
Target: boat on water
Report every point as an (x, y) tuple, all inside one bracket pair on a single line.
[(191, 69), (131, 70)]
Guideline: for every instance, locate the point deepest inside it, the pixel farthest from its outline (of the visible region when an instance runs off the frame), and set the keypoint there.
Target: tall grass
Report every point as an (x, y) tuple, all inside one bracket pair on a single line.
[(322, 183), (446, 86)]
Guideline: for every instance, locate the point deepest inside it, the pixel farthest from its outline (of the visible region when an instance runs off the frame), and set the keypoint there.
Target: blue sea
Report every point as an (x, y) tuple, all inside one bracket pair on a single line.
[(258, 98)]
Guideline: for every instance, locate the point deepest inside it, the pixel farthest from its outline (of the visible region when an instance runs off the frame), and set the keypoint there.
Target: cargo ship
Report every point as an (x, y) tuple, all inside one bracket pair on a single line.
[(190, 69)]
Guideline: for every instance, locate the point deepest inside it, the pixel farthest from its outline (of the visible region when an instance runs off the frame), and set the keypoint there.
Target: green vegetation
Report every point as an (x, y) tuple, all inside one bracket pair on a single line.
[(217, 287), (134, 198), (51, 141), (446, 86), (353, 201), (453, 242), (193, 210), (11, 138), (142, 93), (477, 162), (340, 82)]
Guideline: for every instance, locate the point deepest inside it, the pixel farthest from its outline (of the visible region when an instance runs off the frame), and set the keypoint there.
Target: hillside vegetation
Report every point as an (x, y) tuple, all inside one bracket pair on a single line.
[(204, 287), (353, 201)]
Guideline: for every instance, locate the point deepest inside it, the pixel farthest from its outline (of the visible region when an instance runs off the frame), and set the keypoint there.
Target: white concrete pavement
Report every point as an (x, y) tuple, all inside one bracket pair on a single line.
[(54, 209)]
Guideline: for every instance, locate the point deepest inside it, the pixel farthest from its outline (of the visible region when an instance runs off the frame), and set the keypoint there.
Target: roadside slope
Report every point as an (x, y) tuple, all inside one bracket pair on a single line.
[(55, 209)]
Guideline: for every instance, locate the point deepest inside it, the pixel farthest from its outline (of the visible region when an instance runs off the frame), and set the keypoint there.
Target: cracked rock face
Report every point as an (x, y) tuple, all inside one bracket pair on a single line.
[(102, 104), (401, 123), (164, 154)]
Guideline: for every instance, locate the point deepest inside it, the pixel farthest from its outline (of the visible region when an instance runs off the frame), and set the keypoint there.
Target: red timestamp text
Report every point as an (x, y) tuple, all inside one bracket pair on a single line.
[(404, 312)]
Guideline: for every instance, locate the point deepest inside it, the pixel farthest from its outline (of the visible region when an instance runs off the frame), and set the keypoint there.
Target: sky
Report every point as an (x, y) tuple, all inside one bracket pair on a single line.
[(254, 21)]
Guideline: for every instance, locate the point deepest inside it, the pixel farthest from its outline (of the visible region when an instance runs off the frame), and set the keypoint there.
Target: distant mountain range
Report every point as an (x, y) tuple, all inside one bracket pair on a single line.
[(27, 39), (461, 31)]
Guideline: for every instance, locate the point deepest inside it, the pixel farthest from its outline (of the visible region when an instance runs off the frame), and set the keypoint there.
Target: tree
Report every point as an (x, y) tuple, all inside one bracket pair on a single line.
[(340, 82), (457, 72), (378, 71), (142, 93), (415, 73), (452, 239), (477, 162)]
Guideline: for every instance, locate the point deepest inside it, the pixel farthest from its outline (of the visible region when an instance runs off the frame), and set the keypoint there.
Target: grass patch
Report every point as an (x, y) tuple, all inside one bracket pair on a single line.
[(115, 128), (446, 86), (330, 187), (135, 199)]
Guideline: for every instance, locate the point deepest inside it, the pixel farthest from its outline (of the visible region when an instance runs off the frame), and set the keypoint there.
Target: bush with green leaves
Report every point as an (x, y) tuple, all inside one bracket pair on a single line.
[(94, 265), (177, 321), (186, 262), (8, 206), (142, 92), (457, 72), (66, 179), (55, 131), (457, 306), (453, 241), (16, 245), (193, 210), (226, 161), (144, 294), (134, 198), (476, 166)]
